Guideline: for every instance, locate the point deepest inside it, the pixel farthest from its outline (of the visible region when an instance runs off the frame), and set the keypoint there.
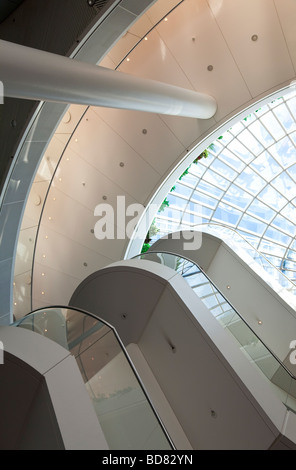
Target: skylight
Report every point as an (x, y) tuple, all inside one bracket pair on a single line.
[(248, 183)]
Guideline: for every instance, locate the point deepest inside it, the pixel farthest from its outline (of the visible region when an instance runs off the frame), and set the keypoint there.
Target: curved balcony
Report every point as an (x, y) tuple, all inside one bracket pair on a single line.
[(258, 353), (125, 413)]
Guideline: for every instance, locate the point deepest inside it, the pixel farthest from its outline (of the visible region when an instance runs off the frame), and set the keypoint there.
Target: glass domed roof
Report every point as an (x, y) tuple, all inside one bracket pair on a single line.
[(247, 182)]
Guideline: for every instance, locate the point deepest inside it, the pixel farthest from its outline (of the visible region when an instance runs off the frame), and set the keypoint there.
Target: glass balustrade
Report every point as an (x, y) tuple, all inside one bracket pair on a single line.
[(125, 413), (258, 262), (271, 367)]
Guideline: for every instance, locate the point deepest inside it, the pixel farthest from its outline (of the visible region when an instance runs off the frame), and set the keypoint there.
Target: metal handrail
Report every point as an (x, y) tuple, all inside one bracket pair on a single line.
[(251, 248), (96, 317), (147, 253)]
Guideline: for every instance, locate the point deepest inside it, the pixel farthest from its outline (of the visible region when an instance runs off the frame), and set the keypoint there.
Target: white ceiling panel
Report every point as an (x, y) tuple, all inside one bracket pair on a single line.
[(129, 41), (66, 255), (160, 9), (192, 28), (60, 209), (141, 27), (158, 145), (107, 151), (153, 60), (85, 184), (57, 287), (287, 14), (187, 130), (263, 63), (22, 295), (107, 62)]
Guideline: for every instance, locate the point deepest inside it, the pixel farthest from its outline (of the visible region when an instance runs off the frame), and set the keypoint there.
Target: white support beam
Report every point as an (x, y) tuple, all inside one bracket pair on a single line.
[(33, 74)]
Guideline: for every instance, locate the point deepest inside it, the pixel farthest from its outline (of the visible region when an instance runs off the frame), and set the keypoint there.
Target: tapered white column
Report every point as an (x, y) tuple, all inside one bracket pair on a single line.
[(33, 74)]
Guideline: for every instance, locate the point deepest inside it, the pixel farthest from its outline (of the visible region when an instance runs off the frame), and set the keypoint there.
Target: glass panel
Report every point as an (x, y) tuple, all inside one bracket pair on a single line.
[(240, 150), (285, 185), (201, 198), (261, 133), (261, 210), (285, 225), (189, 179), (125, 414), (284, 152), (183, 190), (292, 172), (250, 142), (250, 181), (237, 196), (229, 158), (273, 126), (252, 224), (285, 117), (223, 170), (266, 166), (216, 180), (249, 343), (277, 236), (227, 214), (272, 198), (210, 189)]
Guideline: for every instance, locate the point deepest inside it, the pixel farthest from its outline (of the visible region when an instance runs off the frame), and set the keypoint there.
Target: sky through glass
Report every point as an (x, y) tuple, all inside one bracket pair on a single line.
[(247, 182)]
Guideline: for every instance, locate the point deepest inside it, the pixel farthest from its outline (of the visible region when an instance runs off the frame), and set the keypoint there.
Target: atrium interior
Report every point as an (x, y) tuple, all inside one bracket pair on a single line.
[(99, 200)]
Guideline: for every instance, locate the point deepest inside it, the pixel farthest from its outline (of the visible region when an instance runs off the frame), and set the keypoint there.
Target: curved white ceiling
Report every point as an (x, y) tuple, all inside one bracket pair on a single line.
[(98, 154)]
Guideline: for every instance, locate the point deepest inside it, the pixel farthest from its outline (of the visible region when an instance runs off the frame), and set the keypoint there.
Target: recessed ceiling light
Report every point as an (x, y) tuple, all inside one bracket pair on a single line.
[(210, 68), (43, 256), (42, 293), (254, 37), (146, 39), (128, 59), (259, 322), (121, 164), (165, 19), (42, 274), (144, 131), (228, 287)]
